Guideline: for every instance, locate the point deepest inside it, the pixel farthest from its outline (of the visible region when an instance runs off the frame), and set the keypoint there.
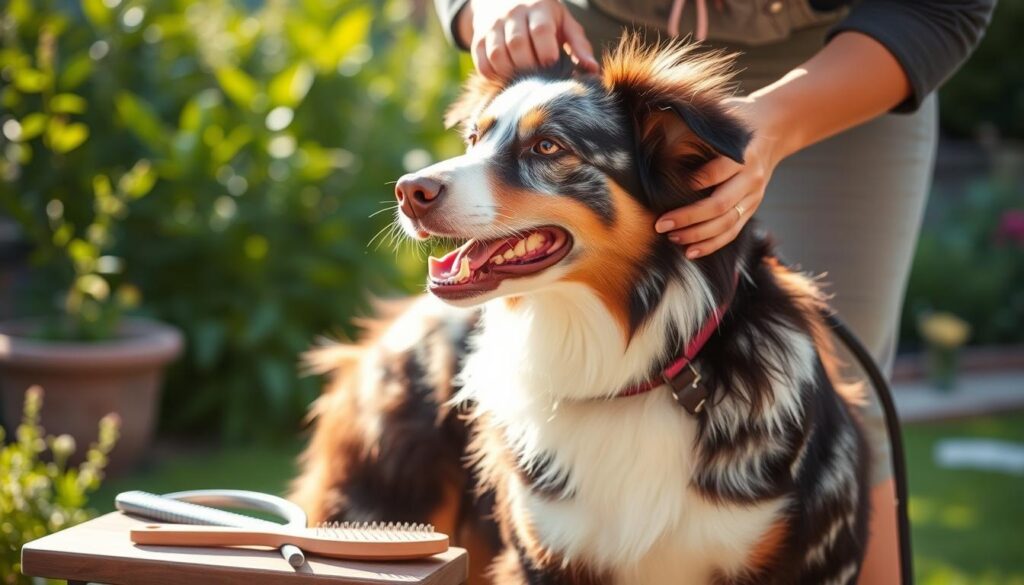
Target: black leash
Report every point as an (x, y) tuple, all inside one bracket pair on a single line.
[(892, 424)]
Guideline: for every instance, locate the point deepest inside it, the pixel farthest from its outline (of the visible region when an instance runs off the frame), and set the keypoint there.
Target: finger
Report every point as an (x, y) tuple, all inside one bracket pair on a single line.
[(497, 53), (714, 172), (724, 197), (576, 37), (480, 61), (707, 229), (517, 40), (721, 240), (542, 32)]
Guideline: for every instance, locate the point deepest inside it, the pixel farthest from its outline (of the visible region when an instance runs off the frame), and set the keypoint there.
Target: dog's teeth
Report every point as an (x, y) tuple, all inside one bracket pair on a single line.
[(534, 242), (520, 248), (498, 260), (464, 271), (509, 254)]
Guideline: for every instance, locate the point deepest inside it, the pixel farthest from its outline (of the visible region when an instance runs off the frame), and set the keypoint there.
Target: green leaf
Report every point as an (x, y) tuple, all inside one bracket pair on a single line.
[(351, 30), (97, 12), (20, 10), (138, 181), (68, 103), (82, 252), (289, 87), (208, 342), (275, 376), (226, 149), (78, 69), (238, 85), (30, 80), (63, 137), (141, 120), (198, 110), (33, 125), (261, 323)]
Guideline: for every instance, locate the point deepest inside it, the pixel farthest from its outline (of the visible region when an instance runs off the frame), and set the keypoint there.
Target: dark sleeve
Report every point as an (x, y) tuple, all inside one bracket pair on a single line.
[(929, 38), (447, 10)]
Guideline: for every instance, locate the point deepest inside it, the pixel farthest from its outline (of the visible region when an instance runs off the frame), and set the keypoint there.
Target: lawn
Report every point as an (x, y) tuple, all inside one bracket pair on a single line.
[(968, 525)]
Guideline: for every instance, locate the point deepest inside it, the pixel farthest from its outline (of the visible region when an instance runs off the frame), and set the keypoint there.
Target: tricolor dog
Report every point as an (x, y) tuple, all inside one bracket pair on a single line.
[(574, 401)]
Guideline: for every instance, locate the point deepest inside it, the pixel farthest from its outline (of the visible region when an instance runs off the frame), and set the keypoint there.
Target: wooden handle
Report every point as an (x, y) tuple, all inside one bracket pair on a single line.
[(375, 546)]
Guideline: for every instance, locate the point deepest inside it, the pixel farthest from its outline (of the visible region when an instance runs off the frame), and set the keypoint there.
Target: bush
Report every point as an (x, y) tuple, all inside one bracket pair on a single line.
[(41, 496), (264, 139), (971, 263), (987, 94)]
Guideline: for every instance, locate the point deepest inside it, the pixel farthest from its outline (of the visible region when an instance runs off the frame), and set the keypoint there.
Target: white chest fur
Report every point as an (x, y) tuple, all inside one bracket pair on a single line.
[(631, 509), (627, 463)]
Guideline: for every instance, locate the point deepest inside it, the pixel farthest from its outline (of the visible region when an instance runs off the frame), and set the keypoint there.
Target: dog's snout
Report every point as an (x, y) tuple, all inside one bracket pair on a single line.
[(416, 194)]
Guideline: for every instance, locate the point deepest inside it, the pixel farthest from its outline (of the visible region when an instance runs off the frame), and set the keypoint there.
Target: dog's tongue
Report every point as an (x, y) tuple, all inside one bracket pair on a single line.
[(477, 253)]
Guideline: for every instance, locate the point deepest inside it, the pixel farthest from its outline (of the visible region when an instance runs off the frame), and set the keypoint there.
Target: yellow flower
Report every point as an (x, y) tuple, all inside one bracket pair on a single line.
[(944, 330)]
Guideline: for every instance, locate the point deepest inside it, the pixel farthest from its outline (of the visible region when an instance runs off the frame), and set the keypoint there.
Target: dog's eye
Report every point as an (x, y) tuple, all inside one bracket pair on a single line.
[(472, 137), (546, 147)]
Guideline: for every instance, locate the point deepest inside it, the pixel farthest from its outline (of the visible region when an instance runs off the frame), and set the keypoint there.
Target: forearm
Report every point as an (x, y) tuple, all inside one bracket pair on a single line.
[(851, 80)]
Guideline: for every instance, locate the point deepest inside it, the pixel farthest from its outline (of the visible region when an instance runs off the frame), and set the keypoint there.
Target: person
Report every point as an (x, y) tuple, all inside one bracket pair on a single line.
[(840, 96)]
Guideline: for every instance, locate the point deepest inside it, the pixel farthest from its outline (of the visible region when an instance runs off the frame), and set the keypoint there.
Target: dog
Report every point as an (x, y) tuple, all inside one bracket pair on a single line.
[(576, 402)]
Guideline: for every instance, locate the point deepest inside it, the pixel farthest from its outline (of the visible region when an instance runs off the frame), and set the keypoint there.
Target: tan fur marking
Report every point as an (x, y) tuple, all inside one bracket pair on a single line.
[(762, 556), (675, 69), (624, 243), (532, 120)]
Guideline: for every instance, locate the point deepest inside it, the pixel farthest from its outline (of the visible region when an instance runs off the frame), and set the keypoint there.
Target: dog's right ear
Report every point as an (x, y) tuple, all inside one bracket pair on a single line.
[(675, 96), (477, 92)]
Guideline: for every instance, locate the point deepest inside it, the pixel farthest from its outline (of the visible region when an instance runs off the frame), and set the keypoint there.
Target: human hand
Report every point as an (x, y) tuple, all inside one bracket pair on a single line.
[(505, 36), (711, 223)]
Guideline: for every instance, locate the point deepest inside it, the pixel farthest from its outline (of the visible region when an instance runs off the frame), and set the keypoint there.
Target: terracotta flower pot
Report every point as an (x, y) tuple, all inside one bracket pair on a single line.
[(83, 381)]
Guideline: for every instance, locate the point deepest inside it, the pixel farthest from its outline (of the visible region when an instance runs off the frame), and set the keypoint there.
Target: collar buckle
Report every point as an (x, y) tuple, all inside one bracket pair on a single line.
[(687, 389)]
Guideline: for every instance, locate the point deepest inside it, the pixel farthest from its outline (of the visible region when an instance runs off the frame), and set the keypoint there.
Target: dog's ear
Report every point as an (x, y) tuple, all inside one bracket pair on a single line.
[(675, 95), (477, 92)]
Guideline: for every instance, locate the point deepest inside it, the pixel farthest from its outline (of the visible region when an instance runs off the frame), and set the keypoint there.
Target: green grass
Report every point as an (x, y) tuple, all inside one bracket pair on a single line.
[(968, 525)]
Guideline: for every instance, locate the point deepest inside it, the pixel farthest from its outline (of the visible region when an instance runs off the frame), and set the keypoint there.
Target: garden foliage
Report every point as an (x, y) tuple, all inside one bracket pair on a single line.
[(219, 164), (239, 152), (39, 493)]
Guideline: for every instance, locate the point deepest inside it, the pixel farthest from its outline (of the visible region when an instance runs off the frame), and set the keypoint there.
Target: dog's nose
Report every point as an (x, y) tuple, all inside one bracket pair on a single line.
[(416, 194)]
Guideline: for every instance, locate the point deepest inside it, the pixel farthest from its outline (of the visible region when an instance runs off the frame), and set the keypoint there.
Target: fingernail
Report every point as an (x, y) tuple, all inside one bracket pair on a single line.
[(692, 253), (664, 225), (675, 239)]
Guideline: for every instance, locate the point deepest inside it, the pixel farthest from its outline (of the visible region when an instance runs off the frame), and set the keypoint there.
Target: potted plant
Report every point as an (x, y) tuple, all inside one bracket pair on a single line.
[(91, 359), (945, 334), (70, 194)]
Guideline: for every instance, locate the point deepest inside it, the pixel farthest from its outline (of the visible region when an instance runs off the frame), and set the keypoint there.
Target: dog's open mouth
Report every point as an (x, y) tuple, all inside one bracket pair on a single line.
[(480, 265)]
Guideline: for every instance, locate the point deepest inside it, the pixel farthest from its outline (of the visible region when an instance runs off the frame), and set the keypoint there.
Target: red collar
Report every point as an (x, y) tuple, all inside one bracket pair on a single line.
[(680, 375)]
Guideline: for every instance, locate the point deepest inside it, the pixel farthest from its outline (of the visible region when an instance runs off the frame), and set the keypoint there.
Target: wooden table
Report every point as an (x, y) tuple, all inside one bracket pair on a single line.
[(100, 551)]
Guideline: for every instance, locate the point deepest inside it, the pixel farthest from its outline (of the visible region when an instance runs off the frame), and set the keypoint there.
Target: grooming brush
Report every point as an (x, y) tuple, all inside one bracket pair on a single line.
[(356, 541)]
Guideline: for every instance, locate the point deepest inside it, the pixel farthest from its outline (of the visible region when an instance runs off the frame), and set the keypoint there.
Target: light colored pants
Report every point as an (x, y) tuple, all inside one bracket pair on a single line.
[(849, 207)]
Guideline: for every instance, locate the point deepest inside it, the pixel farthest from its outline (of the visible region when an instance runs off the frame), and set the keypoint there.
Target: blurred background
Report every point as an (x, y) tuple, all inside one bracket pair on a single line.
[(196, 188)]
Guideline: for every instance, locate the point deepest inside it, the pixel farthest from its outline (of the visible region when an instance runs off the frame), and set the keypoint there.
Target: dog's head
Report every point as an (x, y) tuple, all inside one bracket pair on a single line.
[(564, 176)]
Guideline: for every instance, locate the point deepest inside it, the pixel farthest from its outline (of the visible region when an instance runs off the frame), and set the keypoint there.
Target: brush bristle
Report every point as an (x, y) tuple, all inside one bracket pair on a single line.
[(353, 529)]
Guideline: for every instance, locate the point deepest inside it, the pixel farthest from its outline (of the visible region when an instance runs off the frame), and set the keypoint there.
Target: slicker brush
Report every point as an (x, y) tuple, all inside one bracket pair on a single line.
[(344, 540)]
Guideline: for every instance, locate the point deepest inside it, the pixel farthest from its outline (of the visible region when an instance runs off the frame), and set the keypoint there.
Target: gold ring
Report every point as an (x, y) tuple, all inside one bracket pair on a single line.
[(739, 211)]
